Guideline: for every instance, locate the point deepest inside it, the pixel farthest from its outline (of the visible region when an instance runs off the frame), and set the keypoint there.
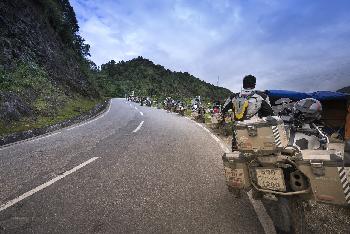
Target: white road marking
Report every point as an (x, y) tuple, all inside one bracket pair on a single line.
[(45, 136), (5, 147), (93, 120), (53, 134), (264, 218), (45, 185), (28, 140), (130, 105), (135, 108), (222, 145), (139, 127), (141, 113)]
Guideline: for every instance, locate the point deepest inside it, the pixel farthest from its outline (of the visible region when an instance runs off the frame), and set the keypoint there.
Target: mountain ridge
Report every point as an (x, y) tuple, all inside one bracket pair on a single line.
[(149, 79), (344, 90)]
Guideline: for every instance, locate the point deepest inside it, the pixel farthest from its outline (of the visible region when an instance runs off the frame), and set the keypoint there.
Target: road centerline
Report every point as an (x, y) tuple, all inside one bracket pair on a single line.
[(45, 185), (138, 127), (141, 113)]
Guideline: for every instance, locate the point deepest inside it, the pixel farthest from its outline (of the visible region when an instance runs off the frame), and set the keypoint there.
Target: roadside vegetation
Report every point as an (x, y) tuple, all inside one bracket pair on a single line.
[(45, 74), (51, 77), (71, 109), (45, 104), (148, 79)]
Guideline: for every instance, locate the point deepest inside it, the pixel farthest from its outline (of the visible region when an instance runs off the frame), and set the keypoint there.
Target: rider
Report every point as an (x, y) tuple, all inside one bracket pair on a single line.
[(196, 103), (249, 102)]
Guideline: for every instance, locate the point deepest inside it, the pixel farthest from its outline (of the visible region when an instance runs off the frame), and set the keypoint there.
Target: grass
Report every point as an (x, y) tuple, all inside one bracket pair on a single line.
[(207, 118), (188, 112), (50, 105), (72, 108)]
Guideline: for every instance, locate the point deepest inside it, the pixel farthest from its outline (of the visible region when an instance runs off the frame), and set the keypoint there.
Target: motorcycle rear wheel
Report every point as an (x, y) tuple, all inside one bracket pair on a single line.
[(287, 215)]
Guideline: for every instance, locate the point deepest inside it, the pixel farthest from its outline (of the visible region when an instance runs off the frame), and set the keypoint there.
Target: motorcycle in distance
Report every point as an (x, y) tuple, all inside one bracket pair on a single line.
[(198, 111), (285, 161), (168, 104), (216, 116), (147, 102), (173, 106), (180, 108)]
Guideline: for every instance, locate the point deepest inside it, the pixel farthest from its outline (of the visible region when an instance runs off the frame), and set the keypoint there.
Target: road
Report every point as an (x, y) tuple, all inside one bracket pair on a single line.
[(131, 170)]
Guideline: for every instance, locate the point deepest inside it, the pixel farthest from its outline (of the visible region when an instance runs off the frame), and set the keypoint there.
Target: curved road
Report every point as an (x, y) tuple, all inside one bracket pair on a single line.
[(131, 170)]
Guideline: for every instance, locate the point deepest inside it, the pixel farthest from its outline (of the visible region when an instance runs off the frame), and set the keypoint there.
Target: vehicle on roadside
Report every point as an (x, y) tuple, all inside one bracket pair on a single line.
[(285, 160), (216, 115), (147, 101), (180, 108), (168, 104), (198, 111)]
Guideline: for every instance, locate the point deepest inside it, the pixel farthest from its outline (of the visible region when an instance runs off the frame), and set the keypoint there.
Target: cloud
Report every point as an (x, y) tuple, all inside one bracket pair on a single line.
[(294, 44)]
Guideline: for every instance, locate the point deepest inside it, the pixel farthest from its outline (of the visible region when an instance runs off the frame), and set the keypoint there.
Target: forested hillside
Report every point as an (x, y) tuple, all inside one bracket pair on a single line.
[(44, 73), (148, 79)]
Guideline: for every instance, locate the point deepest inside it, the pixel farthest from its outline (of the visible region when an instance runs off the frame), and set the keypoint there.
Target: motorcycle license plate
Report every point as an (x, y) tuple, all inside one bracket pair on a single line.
[(271, 179)]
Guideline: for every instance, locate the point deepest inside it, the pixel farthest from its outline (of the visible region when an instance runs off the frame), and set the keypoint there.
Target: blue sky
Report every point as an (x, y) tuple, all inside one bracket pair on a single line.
[(299, 45)]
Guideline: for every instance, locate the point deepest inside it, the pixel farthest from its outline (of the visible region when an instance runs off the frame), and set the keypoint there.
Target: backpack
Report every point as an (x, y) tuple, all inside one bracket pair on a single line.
[(246, 106)]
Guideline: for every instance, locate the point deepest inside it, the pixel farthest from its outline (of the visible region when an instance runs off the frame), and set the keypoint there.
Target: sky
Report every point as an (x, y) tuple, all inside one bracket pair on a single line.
[(301, 45)]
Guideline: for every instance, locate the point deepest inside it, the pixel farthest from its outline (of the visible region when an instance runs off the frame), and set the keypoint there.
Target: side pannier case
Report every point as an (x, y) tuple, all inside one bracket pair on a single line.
[(328, 178), (236, 171), (261, 136)]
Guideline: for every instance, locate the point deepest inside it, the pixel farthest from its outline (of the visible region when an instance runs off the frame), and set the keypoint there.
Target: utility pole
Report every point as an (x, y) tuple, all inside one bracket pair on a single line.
[(217, 83)]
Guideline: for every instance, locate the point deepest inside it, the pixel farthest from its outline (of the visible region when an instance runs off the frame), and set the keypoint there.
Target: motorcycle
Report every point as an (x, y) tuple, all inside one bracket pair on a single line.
[(180, 108), (168, 103), (198, 113), (216, 117), (147, 102), (285, 161)]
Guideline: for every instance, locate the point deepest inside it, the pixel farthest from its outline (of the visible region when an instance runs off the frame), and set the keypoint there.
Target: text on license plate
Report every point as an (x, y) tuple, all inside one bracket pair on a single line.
[(271, 179)]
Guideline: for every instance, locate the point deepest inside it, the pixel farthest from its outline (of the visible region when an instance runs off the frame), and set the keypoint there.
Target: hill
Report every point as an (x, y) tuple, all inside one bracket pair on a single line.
[(344, 90), (46, 76), (149, 79), (44, 73)]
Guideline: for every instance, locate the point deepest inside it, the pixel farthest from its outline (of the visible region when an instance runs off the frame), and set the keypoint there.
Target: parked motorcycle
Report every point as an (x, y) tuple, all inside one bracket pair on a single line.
[(147, 102), (285, 160), (216, 116), (180, 108), (168, 103), (198, 111)]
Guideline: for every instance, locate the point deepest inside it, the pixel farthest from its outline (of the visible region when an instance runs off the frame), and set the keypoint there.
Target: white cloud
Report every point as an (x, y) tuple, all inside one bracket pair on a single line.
[(285, 47)]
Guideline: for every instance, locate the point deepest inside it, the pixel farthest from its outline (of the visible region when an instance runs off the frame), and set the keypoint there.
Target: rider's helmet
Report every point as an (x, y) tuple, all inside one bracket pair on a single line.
[(249, 82), (307, 110)]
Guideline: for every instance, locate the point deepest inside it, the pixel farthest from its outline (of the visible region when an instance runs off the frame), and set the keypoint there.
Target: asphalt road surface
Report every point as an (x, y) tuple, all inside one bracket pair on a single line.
[(131, 170)]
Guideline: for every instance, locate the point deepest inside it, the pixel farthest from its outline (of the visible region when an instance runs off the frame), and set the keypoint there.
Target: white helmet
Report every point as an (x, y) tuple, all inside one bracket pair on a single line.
[(307, 110)]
